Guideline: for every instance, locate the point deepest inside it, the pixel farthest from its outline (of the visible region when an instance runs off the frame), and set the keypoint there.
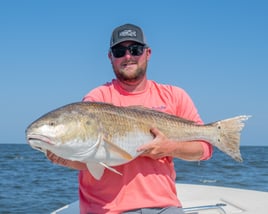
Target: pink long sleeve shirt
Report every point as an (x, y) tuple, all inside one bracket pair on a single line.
[(145, 182)]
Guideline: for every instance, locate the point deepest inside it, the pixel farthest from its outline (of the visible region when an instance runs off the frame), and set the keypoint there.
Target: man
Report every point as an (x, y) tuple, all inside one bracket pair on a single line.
[(147, 184)]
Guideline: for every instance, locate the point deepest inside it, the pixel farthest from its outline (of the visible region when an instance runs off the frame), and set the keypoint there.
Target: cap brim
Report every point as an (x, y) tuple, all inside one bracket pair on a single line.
[(127, 39)]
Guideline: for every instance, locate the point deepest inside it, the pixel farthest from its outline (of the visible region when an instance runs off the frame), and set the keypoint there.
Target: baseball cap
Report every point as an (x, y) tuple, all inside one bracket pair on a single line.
[(127, 32)]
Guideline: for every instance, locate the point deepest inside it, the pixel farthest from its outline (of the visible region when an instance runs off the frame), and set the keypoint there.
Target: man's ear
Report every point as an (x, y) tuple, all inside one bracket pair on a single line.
[(110, 55), (148, 53)]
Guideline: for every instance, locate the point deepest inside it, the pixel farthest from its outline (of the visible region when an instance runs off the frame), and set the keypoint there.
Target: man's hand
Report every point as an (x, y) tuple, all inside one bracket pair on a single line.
[(67, 163), (159, 147)]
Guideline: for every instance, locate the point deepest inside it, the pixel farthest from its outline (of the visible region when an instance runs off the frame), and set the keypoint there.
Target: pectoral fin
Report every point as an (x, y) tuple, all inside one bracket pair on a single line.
[(96, 170), (116, 149), (110, 168)]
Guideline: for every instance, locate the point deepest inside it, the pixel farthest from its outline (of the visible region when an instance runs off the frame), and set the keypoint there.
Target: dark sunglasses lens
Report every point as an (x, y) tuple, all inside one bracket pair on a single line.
[(119, 51), (136, 50)]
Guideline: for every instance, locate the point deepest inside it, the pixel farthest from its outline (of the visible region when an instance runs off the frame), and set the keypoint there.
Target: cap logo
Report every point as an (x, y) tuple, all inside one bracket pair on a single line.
[(129, 33)]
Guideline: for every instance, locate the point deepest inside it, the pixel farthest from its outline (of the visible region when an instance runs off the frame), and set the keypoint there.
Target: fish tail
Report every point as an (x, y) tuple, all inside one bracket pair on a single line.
[(229, 136)]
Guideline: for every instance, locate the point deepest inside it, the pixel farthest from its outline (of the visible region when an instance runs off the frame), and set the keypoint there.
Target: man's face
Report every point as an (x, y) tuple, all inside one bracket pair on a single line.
[(130, 68)]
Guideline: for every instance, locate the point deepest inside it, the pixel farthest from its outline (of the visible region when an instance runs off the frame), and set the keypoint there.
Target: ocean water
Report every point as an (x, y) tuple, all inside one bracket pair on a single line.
[(32, 184)]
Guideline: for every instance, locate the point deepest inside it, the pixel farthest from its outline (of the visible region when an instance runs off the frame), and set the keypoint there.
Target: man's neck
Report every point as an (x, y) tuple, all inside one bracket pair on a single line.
[(137, 86)]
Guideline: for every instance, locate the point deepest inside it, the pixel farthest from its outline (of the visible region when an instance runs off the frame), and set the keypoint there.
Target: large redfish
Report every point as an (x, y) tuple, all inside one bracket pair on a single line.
[(103, 135)]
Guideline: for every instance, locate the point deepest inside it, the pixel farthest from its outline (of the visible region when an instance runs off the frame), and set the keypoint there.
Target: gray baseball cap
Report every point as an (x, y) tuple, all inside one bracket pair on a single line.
[(127, 32)]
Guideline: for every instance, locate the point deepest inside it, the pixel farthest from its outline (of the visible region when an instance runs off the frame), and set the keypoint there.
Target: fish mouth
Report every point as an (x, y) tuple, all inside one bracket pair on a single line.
[(36, 140)]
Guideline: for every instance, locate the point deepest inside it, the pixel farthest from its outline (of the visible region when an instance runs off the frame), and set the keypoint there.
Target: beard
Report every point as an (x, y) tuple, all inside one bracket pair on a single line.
[(132, 76)]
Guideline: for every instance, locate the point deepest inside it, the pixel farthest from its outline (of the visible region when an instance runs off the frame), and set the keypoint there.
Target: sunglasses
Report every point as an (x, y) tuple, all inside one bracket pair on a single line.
[(134, 50)]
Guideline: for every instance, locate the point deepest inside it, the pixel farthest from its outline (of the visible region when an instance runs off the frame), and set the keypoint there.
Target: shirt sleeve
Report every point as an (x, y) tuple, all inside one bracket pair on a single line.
[(207, 150), (186, 109), (94, 96)]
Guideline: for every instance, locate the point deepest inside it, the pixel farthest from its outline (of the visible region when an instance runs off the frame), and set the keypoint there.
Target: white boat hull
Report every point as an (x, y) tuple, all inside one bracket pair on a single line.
[(201, 199)]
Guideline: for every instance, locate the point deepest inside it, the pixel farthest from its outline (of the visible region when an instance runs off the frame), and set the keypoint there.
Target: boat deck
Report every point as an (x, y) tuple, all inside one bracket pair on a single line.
[(201, 199)]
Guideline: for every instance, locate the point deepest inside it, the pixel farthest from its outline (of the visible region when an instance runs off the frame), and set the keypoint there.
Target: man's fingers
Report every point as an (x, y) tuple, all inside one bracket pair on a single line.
[(55, 159), (155, 131), (49, 155), (143, 149)]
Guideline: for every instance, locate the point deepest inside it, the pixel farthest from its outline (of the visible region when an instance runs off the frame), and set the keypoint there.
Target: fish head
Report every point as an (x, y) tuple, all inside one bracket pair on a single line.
[(68, 131)]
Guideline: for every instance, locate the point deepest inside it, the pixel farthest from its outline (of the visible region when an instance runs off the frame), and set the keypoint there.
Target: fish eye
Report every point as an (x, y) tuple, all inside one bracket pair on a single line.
[(51, 123)]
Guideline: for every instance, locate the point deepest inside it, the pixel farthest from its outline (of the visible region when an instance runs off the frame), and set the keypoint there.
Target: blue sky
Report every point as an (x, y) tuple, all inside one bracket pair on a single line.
[(53, 52)]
